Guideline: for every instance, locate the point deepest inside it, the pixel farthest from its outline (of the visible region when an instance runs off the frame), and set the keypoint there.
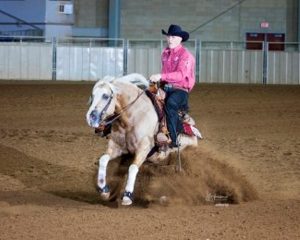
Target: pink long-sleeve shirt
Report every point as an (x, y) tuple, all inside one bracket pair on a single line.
[(178, 67)]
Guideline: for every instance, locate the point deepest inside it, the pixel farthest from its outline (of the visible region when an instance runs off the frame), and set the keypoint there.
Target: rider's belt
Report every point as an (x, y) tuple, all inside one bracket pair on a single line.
[(169, 86)]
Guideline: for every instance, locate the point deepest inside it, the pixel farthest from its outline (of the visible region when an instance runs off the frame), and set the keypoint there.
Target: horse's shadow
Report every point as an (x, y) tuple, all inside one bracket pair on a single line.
[(117, 175)]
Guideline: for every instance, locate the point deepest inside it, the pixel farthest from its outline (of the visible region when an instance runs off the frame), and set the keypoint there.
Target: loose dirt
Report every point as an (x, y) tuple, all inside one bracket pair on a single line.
[(249, 155)]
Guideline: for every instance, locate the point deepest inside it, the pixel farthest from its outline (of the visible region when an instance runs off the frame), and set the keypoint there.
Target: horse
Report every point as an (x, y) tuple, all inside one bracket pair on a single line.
[(121, 104)]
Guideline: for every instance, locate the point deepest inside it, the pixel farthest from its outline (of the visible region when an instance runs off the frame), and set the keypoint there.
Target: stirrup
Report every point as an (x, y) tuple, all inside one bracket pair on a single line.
[(162, 139)]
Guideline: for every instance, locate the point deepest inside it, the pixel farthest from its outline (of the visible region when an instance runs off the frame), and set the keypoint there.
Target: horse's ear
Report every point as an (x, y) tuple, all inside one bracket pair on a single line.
[(98, 83), (90, 100), (113, 88)]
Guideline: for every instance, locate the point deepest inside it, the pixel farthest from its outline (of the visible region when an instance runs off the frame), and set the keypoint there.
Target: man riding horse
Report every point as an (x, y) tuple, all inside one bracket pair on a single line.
[(132, 129), (177, 77)]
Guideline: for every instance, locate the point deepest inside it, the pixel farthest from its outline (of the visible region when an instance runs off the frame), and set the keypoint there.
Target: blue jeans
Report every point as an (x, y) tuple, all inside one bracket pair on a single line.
[(175, 101)]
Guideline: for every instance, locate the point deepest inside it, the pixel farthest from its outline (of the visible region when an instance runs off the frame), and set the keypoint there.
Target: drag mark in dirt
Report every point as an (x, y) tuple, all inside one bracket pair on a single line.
[(48, 135)]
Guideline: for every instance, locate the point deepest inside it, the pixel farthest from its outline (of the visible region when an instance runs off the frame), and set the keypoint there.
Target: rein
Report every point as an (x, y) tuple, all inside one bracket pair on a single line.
[(115, 116)]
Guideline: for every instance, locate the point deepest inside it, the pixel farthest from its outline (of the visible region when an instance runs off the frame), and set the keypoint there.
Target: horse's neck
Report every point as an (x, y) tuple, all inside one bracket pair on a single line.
[(125, 103), (138, 117), (126, 95)]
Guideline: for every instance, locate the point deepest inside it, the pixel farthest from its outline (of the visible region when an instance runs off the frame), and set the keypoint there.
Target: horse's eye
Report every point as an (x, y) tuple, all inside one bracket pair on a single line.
[(105, 96)]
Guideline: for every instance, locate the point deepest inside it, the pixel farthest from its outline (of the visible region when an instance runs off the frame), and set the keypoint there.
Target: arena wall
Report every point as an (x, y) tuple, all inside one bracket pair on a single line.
[(92, 59)]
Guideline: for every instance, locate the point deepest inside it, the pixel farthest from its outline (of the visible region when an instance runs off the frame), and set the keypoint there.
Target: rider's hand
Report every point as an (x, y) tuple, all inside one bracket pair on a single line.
[(155, 78)]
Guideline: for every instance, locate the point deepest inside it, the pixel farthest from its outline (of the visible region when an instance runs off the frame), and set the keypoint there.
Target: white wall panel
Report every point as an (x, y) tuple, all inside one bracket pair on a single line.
[(146, 61), (230, 66), (26, 61), (283, 67), (88, 63)]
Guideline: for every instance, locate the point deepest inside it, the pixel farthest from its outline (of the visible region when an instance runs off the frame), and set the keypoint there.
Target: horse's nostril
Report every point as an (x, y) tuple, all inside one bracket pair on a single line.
[(94, 117)]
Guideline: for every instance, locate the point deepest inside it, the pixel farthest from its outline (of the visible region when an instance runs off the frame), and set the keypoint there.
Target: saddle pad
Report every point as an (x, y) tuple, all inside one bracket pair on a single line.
[(187, 129)]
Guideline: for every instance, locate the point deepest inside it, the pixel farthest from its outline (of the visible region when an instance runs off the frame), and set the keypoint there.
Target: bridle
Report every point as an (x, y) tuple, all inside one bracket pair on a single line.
[(105, 108), (115, 116)]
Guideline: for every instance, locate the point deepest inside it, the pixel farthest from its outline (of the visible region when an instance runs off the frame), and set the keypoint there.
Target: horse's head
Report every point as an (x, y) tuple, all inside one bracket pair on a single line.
[(103, 100), (102, 103)]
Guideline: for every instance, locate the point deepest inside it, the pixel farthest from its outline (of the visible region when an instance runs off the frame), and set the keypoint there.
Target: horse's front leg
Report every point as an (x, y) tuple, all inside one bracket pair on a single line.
[(140, 157), (112, 152)]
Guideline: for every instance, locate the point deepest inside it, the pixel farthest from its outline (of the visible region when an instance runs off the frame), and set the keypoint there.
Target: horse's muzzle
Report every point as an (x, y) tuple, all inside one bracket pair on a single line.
[(94, 119)]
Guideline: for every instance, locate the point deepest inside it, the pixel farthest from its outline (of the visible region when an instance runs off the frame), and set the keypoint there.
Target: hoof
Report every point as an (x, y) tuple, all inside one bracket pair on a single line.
[(104, 192), (105, 196), (127, 199)]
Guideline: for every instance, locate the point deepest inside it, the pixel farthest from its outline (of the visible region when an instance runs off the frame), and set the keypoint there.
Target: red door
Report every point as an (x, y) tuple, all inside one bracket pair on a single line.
[(254, 41), (276, 41)]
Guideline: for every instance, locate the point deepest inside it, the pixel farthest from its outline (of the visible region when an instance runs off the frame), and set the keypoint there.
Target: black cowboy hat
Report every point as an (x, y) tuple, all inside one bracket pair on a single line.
[(175, 30)]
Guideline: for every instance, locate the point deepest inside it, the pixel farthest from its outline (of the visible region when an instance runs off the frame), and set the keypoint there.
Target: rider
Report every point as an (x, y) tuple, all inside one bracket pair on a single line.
[(178, 77)]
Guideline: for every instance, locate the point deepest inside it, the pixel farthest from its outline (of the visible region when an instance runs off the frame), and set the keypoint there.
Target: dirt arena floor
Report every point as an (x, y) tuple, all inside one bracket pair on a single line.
[(250, 154)]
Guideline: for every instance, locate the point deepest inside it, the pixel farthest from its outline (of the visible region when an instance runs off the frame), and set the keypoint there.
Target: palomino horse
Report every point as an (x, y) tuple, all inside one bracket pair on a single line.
[(124, 106)]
